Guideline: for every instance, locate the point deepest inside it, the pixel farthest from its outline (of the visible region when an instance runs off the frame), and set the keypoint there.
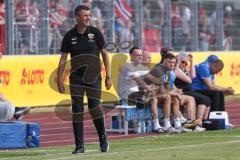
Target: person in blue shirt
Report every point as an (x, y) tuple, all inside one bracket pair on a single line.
[(185, 72), (204, 82)]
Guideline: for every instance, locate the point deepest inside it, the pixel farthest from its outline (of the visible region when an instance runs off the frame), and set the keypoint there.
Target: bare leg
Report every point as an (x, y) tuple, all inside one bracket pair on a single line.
[(154, 105), (206, 113), (189, 107), (166, 100), (200, 111), (175, 107)]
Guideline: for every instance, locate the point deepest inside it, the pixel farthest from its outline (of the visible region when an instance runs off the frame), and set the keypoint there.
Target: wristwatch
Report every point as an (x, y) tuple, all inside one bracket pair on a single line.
[(108, 77)]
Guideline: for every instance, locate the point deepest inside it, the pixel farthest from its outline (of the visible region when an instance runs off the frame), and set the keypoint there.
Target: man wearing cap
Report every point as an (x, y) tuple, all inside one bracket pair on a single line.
[(205, 84)]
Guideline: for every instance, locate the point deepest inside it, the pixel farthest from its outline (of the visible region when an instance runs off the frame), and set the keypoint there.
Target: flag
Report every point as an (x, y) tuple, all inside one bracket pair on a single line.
[(123, 10)]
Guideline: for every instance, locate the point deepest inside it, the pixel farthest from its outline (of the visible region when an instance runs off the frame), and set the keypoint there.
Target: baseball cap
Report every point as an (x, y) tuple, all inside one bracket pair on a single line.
[(212, 58)]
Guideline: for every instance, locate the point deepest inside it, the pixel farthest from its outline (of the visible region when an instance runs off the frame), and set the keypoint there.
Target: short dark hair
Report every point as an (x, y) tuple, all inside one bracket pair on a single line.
[(169, 56), (218, 62), (216, 66), (132, 50), (164, 51), (79, 8)]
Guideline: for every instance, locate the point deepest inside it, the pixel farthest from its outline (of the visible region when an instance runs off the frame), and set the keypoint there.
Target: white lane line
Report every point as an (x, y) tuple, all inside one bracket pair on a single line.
[(146, 150), (168, 135), (112, 153), (44, 149)]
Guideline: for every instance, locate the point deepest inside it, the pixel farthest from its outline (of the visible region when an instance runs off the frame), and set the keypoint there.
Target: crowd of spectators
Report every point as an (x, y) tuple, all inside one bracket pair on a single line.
[(29, 20), (208, 28), (27, 17), (153, 12)]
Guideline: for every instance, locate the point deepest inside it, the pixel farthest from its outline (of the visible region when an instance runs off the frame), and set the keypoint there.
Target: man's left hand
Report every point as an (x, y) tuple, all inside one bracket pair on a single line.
[(229, 91)]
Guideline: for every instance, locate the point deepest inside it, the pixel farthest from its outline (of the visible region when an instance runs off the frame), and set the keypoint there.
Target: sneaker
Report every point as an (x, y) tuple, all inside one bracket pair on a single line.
[(104, 144), (79, 150), (182, 129), (22, 111), (172, 130), (19, 113), (183, 119), (159, 130), (199, 129), (18, 117), (191, 124)]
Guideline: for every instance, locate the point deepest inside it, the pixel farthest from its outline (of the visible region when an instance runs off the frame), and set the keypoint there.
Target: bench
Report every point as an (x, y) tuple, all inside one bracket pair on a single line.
[(122, 115)]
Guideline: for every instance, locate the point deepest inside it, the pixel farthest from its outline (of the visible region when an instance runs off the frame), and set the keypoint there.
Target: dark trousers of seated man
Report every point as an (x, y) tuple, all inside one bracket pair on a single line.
[(78, 87), (217, 99)]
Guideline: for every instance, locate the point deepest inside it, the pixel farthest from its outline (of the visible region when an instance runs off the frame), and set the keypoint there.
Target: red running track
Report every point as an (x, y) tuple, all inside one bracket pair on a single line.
[(57, 131)]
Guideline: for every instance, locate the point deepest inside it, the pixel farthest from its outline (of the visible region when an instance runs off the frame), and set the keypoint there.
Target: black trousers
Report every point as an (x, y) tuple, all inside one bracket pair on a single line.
[(93, 91), (217, 99)]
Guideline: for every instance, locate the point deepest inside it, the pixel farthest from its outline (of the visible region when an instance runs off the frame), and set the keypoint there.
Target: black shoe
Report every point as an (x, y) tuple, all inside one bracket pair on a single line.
[(19, 112), (18, 117), (104, 144), (79, 150)]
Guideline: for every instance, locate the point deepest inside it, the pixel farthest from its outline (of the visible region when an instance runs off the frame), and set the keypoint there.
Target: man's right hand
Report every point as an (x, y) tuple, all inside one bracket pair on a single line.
[(61, 87), (61, 67)]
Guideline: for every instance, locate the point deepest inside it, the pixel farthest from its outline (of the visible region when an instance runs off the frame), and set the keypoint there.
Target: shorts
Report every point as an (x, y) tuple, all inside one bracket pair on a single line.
[(199, 98)]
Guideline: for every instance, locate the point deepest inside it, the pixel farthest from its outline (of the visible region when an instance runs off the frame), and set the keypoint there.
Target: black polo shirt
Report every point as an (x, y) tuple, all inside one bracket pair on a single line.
[(84, 50)]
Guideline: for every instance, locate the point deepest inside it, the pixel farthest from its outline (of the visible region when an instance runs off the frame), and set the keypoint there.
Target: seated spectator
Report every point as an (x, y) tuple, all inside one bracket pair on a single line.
[(204, 82), (183, 81), (126, 84), (146, 59), (155, 84), (187, 103), (8, 110)]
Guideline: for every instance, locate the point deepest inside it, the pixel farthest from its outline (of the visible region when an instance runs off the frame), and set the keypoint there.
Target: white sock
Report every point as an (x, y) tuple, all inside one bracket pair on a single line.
[(166, 123), (177, 123), (156, 124)]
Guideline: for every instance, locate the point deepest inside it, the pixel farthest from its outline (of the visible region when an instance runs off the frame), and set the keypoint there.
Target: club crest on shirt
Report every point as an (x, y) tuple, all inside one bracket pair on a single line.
[(74, 40), (91, 37)]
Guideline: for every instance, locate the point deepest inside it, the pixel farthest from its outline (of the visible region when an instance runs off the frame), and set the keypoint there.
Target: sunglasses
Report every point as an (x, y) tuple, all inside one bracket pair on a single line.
[(184, 63)]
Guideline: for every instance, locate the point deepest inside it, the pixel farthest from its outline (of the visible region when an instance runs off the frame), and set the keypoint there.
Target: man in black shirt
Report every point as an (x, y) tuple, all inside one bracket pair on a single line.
[(85, 43)]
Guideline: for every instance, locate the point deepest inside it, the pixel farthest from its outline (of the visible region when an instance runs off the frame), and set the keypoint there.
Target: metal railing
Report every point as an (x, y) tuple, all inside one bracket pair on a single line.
[(38, 26)]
